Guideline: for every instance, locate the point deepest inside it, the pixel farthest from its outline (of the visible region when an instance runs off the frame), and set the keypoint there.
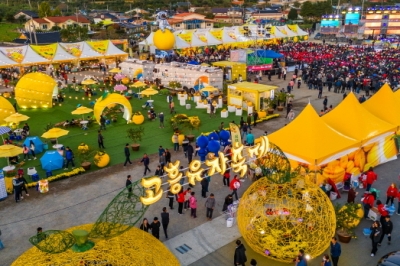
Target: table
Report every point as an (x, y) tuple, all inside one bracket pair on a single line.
[(9, 168), (58, 146), (18, 131), (150, 102), (84, 124)]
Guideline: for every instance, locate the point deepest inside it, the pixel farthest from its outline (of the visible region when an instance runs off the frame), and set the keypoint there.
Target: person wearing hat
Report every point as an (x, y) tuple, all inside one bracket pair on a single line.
[(155, 228)]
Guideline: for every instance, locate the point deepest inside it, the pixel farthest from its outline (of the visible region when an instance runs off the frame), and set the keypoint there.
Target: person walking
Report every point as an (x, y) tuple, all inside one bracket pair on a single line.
[(234, 185), (23, 185), (371, 178), (387, 228), (376, 232), (204, 186), (128, 185), (127, 154), (32, 149), (249, 120), (175, 140), (165, 221), (146, 161), (161, 151), (210, 205), (100, 140), (181, 200), (186, 204), (172, 107), (190, 152), (102, 122), (382, 211), (162, 160), (167, 156), (69, 156), (161, 118), (145, 226), (17, 188), (391, 193), (193, 205), (170, 197), (25, 151), (155, 228), (240, 254), (226, 177), (336, 251)]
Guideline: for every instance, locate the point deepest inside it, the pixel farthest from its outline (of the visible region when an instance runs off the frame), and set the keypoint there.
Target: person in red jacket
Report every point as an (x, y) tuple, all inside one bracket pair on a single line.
[(368, 203), (391, 193), (234, 185), (382, 210), (181, 200), (371, 177)]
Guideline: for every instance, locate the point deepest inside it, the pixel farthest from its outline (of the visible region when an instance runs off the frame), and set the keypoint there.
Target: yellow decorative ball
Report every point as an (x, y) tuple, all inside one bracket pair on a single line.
[(101, 159), (125, 80), (277, 220), (83, 147), (164, 40), (306, 38), (130, 248), (138, 119)]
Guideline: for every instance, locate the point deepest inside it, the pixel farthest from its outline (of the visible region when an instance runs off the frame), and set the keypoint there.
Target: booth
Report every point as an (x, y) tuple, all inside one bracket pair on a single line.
[(243, 93), (232, 70), (36, 141)]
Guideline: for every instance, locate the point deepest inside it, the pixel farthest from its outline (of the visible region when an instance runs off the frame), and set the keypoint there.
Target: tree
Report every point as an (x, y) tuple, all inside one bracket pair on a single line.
[(45, 10), (22, 19), (307, 9), (292, 14), (74, 33), (10, 17), (56, 12), (296, 4)]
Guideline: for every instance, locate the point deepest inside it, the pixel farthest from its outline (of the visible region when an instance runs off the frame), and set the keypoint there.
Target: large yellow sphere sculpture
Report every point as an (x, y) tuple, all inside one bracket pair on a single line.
[(134, 247), (164, 40), (277, 220)]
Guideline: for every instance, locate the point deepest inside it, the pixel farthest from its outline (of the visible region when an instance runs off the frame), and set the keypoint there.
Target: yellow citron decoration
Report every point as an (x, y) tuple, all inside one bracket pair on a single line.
[(164, 40), (101, 159), (138, 118)]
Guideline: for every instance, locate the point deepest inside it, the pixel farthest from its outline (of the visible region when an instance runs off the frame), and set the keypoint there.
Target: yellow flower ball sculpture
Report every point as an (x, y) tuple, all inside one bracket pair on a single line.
[(101, 159), (164, 40), (138, 119), (277, 220), (83, 147)]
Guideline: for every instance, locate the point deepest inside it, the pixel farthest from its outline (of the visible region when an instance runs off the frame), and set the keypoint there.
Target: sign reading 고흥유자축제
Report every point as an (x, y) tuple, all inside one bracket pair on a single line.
[(216, 164)]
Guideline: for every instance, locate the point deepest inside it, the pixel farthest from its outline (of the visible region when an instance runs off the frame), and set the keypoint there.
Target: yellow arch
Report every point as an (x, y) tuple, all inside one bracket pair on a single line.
[(111, 99), (35, 90), (6, 109)]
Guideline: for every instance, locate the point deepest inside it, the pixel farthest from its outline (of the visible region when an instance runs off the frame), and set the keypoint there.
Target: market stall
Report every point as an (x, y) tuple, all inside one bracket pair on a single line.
[(232, 70)]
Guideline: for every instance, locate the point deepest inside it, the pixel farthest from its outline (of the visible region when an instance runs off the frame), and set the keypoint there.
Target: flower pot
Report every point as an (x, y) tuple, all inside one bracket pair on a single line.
[(343, 237), (135, 147), (280, 108), (190, 137), (86, 165), (270, 111)]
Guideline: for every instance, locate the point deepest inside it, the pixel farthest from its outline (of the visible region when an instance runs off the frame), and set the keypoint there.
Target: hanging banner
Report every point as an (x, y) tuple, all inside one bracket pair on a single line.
[(217, 34), (46, 51), (73, 48), (187, 37), (202, 36), (99, 46), (15, 53)]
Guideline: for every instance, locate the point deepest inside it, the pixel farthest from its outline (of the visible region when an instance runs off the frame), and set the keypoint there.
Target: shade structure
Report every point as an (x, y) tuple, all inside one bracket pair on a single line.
[(6, 109), (10, 151), (115, 70), (16, 118), (351, 119), (4, 130), (52, 160), (138, 84), (309, 140), (82, 110), (208, 89), (149, 92), (113, 98), (384, 105), (55, 133), (36, 141), (88, 82)]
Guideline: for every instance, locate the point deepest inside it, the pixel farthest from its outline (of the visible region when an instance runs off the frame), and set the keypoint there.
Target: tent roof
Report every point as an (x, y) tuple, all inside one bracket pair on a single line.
[(314, 140), (5, 61), (268, 54), (180, 43), (285, 30), (113, 50), (148, 40), (353, 120), (31, 57), (390, 112), (81, 50), (253, 86), (226, 37)]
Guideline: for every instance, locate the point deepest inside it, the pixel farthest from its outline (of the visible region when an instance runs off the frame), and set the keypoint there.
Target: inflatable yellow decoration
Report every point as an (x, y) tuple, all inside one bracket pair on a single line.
[(113, 98), (125, 80), (6, 110), (138, 119), (181, 137), (277, 220), (83, 147), (164, 40), (101, 159)]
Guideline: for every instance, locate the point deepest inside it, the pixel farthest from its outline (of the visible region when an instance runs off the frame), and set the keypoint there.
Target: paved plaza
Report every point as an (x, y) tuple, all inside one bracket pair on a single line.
[(81, 199)]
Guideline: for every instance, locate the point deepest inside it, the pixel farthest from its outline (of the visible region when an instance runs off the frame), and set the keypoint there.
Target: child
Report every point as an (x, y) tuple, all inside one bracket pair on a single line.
[(193, 205), (226, 177)]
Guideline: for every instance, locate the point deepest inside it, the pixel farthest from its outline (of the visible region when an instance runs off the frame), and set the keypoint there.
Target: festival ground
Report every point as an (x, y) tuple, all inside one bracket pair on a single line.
[(80, 200)]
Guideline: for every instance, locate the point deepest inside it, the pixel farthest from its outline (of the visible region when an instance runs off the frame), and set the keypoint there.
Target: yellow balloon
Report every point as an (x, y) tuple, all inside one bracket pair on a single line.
[(138, 119), (164, 40)]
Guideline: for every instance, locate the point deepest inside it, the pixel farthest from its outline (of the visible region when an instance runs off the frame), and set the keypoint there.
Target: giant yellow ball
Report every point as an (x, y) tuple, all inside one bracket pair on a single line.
[(164, 40)]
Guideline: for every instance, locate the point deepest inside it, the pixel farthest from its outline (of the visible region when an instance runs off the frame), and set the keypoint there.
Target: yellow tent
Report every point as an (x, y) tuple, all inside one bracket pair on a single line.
[(309, 140), (113, 98), (385, 105), (35, 90), (353, 120), (249, 92), (6, 109), (397, 95)]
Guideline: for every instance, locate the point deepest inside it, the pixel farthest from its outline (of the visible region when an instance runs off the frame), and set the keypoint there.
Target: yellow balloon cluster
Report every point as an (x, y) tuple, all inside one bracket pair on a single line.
[(277, 220)]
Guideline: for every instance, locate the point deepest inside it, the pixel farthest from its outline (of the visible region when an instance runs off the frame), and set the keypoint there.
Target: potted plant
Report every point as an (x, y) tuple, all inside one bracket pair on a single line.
[(192, 123), (281, 100), (135, 134), (270, 103), (348, 216), (85, 154), (47, 128)]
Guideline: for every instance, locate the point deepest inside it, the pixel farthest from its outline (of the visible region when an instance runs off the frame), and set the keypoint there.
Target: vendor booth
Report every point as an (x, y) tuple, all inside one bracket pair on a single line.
[(232, 70), (247, 94)]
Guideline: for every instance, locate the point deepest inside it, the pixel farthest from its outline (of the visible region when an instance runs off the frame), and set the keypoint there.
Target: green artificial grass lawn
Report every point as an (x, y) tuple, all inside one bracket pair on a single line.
[(115, 136)]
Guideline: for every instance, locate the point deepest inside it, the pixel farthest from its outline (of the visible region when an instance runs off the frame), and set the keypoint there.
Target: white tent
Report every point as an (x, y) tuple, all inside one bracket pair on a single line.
[(6, 61), (62, 55), (23, 55), (285, 30), (113, 50), (81, 50), (196, 41), (148, 40), (301, 32), (180, 43), (276, 33), (31, 57), (211, 40), (229, 35)]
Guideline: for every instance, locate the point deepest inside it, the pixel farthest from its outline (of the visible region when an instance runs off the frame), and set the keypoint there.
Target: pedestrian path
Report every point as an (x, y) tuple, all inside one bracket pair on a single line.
[(202, 240)]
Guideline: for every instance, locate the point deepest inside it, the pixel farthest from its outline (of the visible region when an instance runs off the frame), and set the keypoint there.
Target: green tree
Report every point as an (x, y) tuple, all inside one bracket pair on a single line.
[(209, 15), (22, 19), (56, 12), (10, 17), (292, 14), (307, 9), (296, 4), (45, 10), (74, 33)]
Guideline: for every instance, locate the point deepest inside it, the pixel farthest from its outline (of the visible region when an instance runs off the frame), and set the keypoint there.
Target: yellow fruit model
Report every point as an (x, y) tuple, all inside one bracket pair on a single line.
[(343, 161), (389, 147), (373, 156), (101, 159), (138, 119), (359, 159), (164, 40)]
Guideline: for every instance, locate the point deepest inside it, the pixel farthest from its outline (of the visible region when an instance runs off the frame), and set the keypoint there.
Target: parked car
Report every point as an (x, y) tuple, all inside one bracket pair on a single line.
[(318, 36), (390, 259)]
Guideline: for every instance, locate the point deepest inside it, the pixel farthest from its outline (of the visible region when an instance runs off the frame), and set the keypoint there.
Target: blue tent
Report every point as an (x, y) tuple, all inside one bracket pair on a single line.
[(52, 160), (37, 142), (268, 54)]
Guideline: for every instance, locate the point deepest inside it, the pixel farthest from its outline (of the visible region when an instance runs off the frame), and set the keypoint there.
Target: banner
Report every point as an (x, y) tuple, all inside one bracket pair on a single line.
[(235, 134), (202, 36), (73, 48), (99, 46), (46, 51), (217, 34), (187, 37), (15, 53)]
